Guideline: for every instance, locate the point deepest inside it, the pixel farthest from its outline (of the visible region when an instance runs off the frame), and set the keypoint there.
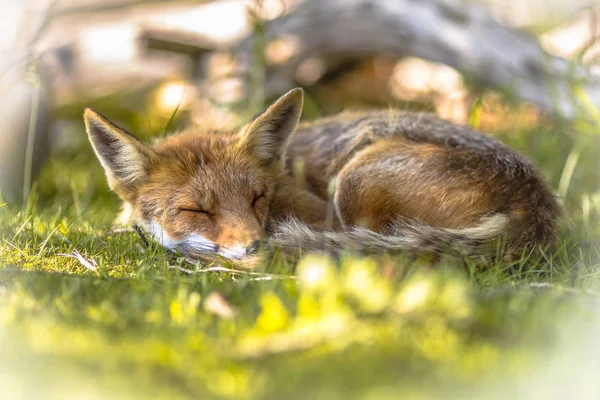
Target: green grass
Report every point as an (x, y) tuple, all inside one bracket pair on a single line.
[(123, 321)]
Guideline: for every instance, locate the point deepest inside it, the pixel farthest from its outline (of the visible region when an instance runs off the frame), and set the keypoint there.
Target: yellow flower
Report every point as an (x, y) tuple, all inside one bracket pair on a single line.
[(274, 316)]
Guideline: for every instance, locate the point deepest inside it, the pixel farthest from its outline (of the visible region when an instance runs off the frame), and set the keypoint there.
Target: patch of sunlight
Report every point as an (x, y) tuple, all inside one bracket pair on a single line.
[(174, 95), (113, 43), (414, 295), (316, 273), (364, 282), (183, 309)]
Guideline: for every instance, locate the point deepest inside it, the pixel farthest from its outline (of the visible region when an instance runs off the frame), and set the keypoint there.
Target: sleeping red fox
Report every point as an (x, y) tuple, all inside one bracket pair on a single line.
[(402, 182)]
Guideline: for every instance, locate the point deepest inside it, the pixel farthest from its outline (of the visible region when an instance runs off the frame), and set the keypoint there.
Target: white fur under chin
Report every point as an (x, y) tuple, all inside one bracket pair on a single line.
[(154, 229), (193, 241), (198, 242)]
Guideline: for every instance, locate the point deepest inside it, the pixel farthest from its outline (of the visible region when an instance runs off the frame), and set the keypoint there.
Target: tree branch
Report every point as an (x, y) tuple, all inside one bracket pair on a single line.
[(462, 36)]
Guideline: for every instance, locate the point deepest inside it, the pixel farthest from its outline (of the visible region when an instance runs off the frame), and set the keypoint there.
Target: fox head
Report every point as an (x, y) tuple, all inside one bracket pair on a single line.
[(201, 193)]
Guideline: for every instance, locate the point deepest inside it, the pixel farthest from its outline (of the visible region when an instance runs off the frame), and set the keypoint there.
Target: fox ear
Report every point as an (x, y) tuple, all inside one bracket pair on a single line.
[(268, 134), (125, 159)]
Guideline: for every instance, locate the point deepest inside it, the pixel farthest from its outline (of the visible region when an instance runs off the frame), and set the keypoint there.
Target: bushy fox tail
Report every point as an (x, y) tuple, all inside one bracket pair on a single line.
[(405, 235)]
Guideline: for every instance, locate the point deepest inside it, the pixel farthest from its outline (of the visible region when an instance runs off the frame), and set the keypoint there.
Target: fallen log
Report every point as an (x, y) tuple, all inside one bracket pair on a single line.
[(462, 36)]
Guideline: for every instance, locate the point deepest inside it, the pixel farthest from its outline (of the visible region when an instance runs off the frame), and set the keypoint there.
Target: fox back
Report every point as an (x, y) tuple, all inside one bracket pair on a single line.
[(419, 183)]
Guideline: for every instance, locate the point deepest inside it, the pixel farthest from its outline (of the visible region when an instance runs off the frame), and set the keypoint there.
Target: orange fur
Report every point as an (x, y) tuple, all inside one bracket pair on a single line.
[(412, 177)]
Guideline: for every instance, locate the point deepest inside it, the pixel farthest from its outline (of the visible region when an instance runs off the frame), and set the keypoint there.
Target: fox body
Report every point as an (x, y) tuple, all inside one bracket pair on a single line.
[(376, 180)]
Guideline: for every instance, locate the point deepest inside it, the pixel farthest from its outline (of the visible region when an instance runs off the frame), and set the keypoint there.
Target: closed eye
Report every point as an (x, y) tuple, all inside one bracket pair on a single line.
[(195, 210), (257, 198)]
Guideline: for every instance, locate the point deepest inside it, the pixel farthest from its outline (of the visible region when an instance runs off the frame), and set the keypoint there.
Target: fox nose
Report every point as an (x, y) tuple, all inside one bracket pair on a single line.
[(253, 248)]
